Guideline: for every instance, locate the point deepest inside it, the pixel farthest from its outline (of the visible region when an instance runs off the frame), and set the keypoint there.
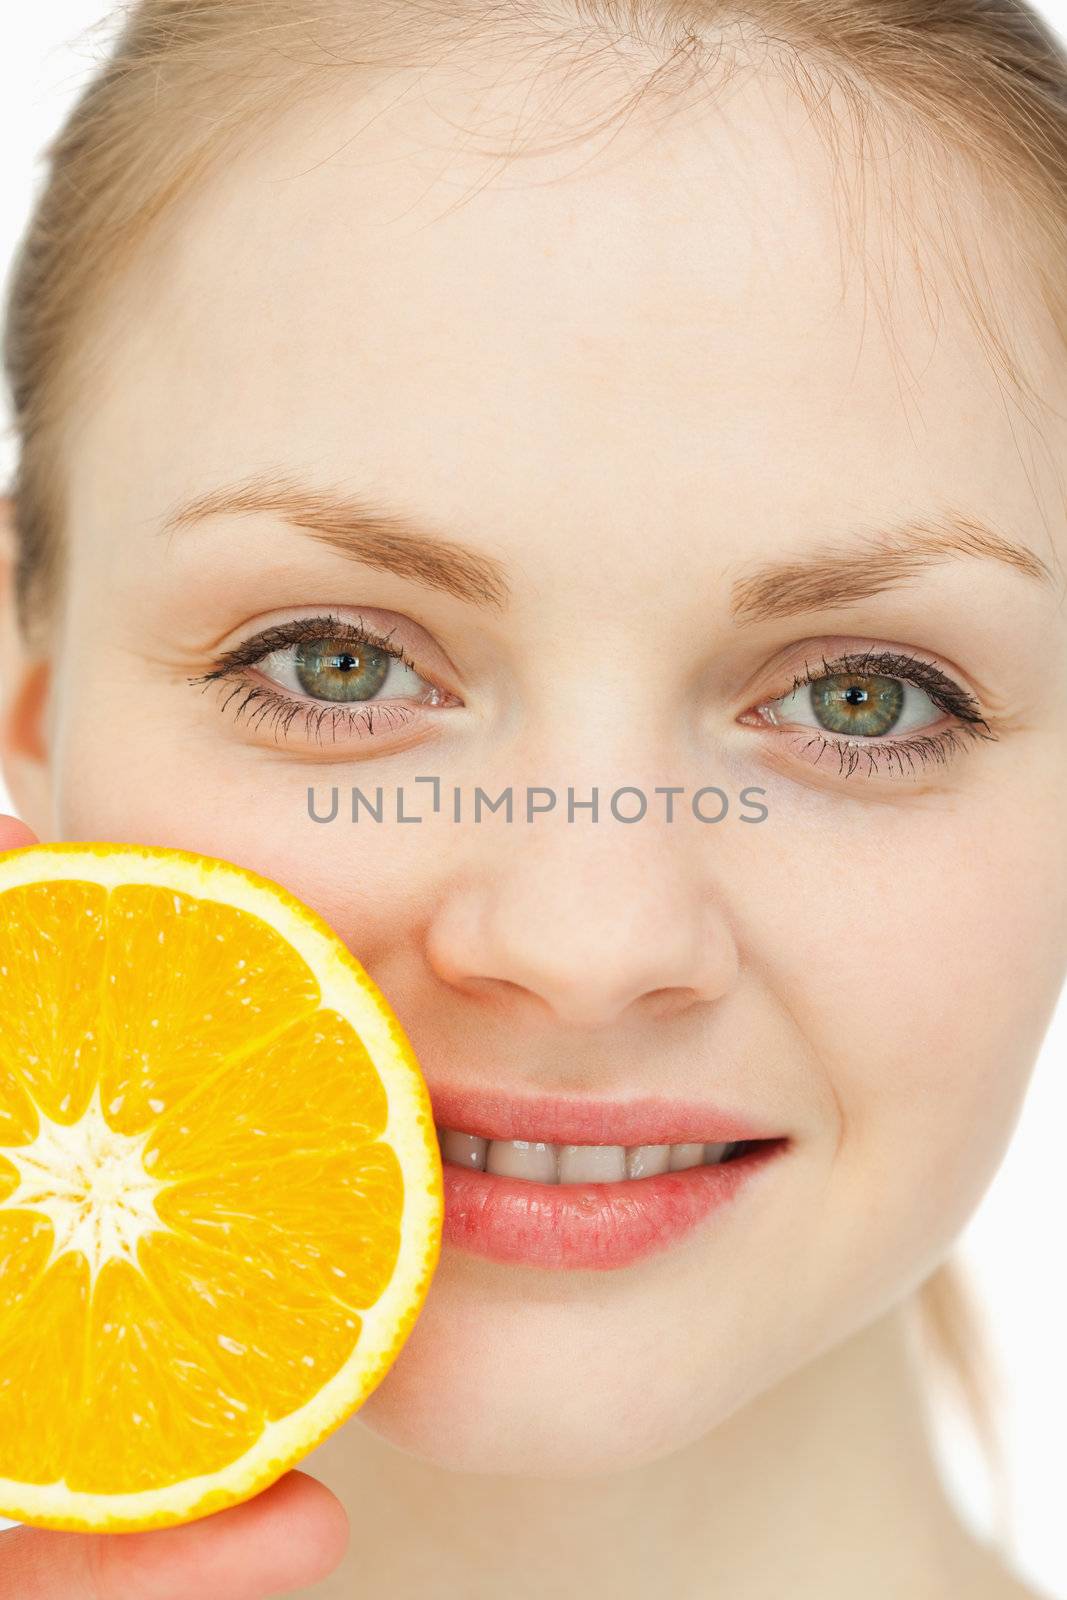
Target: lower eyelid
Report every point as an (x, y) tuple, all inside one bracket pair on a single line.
[(274, 709), (935, 747)]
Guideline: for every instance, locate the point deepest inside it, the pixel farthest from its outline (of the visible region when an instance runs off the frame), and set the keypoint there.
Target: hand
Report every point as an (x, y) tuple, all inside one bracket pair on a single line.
[(14, 834), (292, 1534)]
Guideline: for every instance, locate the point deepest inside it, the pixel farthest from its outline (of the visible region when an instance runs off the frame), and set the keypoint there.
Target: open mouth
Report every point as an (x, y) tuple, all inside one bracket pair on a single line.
[(536, 1161), (593, 1207)]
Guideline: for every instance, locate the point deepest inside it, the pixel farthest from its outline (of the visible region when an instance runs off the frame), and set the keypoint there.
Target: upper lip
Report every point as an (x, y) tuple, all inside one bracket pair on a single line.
[(496, 1114)]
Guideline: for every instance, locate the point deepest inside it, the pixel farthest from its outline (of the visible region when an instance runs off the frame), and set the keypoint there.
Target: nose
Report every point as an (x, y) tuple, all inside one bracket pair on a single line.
[(582, 926)]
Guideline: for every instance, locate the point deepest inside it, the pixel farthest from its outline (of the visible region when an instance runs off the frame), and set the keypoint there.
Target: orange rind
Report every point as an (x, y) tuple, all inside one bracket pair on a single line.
[(221, 1199)]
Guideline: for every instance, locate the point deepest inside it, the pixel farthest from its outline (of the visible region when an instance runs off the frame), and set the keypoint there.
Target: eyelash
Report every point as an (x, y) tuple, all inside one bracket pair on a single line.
[(923, 747), (278, 708)]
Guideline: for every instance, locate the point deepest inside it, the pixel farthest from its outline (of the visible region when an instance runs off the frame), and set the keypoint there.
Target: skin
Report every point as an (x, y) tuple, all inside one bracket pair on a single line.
[(628, 376)]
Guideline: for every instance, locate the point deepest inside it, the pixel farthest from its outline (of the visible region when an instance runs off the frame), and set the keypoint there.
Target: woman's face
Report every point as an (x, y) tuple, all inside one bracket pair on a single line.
[(625, 382)]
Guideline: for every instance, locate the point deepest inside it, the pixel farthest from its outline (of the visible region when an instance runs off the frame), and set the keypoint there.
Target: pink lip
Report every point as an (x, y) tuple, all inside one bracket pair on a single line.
[(595, 1226), (493, 1114), (590, 1226)]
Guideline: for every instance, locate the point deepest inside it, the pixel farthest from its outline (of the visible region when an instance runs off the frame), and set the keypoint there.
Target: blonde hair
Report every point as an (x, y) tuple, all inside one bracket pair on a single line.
[(188, 83)]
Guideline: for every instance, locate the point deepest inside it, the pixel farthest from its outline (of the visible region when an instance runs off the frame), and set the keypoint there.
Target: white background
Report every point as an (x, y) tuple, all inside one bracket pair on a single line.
[(1014, 1245)]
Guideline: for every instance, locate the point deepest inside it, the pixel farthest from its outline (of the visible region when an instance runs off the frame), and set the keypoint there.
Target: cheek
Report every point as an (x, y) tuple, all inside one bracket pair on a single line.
[(922, 973), (372, 882)]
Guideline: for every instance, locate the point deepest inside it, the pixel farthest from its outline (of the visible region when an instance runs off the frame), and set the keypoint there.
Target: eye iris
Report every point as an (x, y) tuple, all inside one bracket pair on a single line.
[(849, 702), (352, 673)]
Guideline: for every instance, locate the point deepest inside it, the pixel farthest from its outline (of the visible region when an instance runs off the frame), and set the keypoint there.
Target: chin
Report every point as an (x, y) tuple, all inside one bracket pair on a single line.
[(505, 1443), (510, 1400)]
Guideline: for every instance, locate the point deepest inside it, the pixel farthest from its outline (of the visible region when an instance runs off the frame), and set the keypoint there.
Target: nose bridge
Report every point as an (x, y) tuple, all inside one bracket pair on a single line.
[(586, 918)]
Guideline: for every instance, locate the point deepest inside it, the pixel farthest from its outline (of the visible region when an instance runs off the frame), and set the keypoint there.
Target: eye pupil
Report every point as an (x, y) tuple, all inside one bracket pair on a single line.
[(855, 697)]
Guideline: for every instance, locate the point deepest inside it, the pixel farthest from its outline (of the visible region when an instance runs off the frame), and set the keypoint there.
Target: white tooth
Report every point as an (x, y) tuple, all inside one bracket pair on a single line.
[(592, 1163), (648, 1160), (522, 1158), (465, 1149), (686, 1155), (713, 1153)]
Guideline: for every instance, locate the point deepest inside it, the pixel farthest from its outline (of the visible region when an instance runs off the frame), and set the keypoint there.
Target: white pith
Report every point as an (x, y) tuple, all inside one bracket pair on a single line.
[(344, 987), (91, 1183)]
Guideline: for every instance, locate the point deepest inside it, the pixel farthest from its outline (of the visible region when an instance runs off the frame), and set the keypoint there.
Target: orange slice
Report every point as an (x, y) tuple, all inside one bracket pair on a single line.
[(220, 1185)]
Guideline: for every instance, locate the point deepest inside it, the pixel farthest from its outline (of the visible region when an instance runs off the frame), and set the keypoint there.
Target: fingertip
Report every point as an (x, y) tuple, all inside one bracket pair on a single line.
[(292, 1533), (325, 1521), (14, 833)]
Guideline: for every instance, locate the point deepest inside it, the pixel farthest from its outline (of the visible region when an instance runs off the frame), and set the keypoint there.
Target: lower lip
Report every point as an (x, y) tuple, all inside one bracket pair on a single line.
[(589, 1226)]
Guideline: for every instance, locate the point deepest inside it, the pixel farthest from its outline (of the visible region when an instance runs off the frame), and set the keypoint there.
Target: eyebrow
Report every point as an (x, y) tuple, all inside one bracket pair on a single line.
[(384, 537), (375, 534), (839, 576)]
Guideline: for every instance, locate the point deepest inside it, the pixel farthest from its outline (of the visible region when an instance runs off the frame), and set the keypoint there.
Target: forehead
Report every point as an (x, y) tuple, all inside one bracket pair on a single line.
[(708, 307)]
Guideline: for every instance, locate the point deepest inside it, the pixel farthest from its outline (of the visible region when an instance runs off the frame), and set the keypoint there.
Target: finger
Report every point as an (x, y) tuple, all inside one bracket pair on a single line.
[(14, 834), (292, 1534)]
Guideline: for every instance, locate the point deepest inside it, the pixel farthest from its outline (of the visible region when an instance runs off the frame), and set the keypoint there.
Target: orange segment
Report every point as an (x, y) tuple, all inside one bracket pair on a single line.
[(263, 1109), (181, 1416), (25, 1246), (18, 1114), (9, 1182), (189, 982), (220, 1185), (281, 1346), (42, 1355), (330, 1222), (51, 984)]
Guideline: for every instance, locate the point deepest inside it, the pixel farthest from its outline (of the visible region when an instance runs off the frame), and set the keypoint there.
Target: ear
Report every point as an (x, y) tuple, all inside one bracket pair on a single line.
[(25, 681)]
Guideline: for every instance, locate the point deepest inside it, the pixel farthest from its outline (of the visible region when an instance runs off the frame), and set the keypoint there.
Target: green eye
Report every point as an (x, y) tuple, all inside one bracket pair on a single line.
[(854, 703), (339, 670), (857, 705), (353, 673), (871, 716)]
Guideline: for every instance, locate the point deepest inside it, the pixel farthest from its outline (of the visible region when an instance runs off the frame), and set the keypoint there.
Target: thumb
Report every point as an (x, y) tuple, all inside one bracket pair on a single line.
[(294, 1533), (14, 834)]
